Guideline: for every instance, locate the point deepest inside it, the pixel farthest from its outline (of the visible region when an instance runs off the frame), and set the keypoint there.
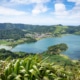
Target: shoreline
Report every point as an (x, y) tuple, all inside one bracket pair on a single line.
[(21, 41), (5, 47)]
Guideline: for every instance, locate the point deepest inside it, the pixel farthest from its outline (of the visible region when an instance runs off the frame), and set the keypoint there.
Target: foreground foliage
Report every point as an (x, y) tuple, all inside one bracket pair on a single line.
[(35, 68), (7, 54)]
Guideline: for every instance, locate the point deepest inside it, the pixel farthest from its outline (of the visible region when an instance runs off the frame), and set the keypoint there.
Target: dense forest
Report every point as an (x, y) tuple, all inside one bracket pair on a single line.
[(11, 34), (17, 31)]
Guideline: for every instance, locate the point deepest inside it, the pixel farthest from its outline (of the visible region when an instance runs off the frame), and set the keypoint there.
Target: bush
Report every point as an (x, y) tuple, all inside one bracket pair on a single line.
[(32, 68)]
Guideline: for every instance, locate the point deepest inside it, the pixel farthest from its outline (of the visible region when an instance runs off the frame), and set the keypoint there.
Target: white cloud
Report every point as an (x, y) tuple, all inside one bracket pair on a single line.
[(29, 1), (60, 10), (62, 15), (60, 7), (76, 1), (39, 20), (72, 0), (75, 12), (76, 9), (58, 1), (39, 8), (8, 11)]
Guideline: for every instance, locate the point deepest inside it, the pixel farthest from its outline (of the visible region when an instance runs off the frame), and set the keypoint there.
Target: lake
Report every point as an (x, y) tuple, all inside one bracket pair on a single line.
[(73, 42)]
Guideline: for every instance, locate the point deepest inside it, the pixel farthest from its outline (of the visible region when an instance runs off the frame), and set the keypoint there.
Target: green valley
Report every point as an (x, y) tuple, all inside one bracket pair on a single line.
[(48, 65), (13, 34)]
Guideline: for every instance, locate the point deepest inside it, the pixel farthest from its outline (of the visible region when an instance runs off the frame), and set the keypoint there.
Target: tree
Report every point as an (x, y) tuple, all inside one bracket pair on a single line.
[(57, 49)]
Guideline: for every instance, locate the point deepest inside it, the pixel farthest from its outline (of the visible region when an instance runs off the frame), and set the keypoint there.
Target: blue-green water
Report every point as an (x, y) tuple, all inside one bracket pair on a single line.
[(73, 42)]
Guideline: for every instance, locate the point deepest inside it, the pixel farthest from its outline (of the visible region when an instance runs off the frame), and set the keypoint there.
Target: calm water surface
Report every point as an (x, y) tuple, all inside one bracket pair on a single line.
[(73, 42)]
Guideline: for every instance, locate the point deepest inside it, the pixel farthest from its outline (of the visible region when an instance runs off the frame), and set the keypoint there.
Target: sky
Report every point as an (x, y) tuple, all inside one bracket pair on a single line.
[(40, 12)]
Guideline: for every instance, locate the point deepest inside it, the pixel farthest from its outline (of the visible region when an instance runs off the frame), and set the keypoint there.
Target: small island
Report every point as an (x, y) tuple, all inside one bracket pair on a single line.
[(49, 65), (57, 49)]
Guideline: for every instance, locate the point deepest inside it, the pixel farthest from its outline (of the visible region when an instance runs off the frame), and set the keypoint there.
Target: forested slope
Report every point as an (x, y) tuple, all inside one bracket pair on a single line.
[(17, 31)]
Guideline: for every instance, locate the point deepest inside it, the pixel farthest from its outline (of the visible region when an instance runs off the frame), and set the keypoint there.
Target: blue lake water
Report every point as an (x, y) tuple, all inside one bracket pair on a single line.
[(73, 42)]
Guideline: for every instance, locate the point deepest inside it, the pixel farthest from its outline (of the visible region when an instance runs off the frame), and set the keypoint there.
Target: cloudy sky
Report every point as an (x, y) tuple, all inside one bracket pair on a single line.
[(42, 12)]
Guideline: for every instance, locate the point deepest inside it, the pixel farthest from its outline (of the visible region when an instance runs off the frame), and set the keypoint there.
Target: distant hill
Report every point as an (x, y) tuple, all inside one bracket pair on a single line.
[(13, 31), (33, 28)]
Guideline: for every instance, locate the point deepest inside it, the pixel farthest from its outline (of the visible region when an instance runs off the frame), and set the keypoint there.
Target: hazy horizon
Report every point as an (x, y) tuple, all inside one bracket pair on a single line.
[(39, 24)]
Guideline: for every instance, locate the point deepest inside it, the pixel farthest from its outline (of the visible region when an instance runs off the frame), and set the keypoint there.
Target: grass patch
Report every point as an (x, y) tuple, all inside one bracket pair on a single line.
[(5, 42), (59, 59)]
